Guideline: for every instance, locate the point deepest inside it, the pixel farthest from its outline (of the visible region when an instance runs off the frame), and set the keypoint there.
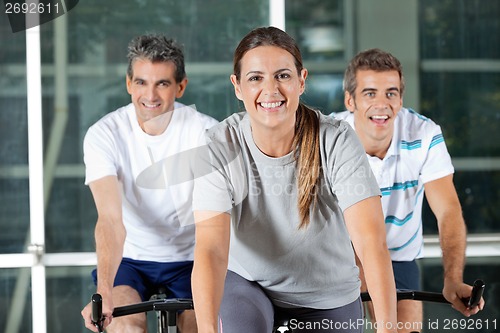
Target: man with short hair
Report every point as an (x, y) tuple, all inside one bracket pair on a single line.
[(408, 155), (144, 237)]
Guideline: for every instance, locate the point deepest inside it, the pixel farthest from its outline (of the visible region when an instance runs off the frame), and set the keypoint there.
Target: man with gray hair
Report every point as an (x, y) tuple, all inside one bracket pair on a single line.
[(144, 236)]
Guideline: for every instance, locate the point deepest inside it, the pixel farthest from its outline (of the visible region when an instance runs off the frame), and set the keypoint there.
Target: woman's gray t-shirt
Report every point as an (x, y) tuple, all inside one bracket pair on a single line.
[(309, 267)]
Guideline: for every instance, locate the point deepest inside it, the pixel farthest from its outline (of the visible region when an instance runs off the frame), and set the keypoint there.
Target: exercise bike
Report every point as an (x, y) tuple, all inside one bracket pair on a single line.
[(167, 308)]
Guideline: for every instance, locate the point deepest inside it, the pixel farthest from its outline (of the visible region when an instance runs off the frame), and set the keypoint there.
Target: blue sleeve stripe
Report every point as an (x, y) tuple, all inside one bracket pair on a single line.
[(411, 145), (399, 187), (436, 140), (408, 242), (385, 191), (394, 220), (418, 115)]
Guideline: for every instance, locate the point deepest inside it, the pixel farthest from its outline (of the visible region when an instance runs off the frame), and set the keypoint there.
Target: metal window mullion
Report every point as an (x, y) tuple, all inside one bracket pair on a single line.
[(350, 37), (35, 165), (460, 65), (277, 14)]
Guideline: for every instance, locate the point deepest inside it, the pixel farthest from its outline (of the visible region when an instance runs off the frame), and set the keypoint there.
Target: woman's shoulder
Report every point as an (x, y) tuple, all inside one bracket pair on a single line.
[(332, 123), (227, 128), (336, 134)]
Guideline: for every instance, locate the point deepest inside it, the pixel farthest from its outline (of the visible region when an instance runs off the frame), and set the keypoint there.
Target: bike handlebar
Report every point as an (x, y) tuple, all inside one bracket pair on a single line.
[(402, 294), (476, 294), (169, 304), (97, 318), (176, 304), (426, 296), (167, 307)]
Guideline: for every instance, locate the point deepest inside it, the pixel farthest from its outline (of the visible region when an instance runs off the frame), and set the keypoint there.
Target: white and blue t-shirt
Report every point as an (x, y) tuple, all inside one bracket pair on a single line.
[(417, 155)]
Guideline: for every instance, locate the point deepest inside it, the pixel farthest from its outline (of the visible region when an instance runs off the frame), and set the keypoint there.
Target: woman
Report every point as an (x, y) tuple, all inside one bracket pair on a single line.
[(274, 221)]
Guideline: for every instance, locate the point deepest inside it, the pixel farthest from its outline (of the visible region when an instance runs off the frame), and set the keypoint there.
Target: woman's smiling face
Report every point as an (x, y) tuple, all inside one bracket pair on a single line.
[(270, 86)]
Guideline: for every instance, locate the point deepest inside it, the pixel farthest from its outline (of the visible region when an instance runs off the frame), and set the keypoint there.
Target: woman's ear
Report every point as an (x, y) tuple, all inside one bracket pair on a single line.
[(303, 76), (236, 85)]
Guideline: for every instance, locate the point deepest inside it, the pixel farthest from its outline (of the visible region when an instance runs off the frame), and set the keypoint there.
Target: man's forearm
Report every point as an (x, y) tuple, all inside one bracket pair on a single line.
[(453, 240), (109, 250)]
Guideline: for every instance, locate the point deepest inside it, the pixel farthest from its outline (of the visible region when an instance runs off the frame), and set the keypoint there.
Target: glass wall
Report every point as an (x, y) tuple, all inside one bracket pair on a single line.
[(460, 89), (15, 300), (14, 207), (14, 184), (454, 74), (68, 289), (442, 318), (323, 31)]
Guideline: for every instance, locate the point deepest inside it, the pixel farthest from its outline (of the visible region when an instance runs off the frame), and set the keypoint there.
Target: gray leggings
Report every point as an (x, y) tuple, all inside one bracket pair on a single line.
[(246, 308)]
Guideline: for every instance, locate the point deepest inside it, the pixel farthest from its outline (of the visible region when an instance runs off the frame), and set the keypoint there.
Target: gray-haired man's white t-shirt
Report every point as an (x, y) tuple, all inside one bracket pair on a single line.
[(309, 267)]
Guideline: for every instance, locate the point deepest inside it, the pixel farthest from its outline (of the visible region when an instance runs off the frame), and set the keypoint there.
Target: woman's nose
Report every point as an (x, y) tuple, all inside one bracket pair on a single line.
[(271, 87)]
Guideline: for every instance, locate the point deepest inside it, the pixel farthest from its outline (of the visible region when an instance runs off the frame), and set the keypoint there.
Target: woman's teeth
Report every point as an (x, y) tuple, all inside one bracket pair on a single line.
[(270, 105)]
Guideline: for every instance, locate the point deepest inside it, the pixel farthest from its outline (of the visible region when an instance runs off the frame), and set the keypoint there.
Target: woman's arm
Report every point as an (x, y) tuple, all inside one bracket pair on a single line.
[(210, 267), (365, 223)]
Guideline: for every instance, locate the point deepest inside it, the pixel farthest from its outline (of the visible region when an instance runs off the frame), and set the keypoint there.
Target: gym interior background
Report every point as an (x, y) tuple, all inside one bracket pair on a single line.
[(60, 77)]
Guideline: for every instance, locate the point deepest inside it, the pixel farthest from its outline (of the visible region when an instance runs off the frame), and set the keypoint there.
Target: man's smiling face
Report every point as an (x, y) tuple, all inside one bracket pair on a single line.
[(153, 88), (375, 104)]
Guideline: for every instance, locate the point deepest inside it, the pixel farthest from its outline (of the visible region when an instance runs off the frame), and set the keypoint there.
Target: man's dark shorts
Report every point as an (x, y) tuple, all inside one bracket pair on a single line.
[(406, 274), (147, 277)]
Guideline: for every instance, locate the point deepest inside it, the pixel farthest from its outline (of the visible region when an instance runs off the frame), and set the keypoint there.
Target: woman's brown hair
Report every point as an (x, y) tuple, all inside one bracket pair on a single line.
[(306, 138)]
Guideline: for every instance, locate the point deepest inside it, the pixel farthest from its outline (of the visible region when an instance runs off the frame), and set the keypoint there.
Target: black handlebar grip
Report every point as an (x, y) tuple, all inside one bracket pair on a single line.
[(476, 294), (97, 318)]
